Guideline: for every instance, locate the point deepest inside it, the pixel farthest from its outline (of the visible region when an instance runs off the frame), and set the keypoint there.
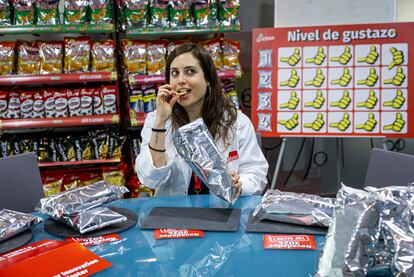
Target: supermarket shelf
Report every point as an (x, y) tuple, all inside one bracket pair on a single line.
[(156, 79), (137, 119), (135, 31), (87, 77), (45, 29), (59, 122), (78, 163)]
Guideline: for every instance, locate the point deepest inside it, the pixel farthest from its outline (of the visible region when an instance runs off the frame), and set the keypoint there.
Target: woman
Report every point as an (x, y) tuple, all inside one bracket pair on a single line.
[(193, 90)]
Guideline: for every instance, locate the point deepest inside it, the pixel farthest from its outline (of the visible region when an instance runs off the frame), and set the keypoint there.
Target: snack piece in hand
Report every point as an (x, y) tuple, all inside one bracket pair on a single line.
[(182, 91)]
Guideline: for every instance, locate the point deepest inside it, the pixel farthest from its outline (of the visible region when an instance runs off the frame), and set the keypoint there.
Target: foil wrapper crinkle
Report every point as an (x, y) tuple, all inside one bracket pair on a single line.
[(297, 208), (13, 223), (196, 146), (371, 231)]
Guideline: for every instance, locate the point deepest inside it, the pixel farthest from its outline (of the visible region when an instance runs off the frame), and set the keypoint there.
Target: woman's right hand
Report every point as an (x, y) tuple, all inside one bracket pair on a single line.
[(166, 99)]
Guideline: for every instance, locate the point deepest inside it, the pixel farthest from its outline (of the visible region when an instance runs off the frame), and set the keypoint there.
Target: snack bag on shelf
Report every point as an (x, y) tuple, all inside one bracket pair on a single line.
[(159, 13), (5, 17), (205, 13), (114, 175), (51, 57), (38, 104), (135, 13), (101, 11), (74, 102), (136, 101), (86, 96), (173, 44), (156, 52), (149, 97), (213, 46), (52, 150), (3, 103), (83, 148), (24, 12), (26, 104), (65, 149), (28, 58), (135, 146), (180, 14), (52, 182), (7, 57), (103, 56), (5, 148), (16, 146), (71, 181), (49, 100), (77, 54), (90, 178), (99, 139), (229, 12), (61, 103), (115, 145), (109, 99), (98, 107), (42, 149), (13, 109), (134, 56), (47, 12), (231, 51), (76, 11)]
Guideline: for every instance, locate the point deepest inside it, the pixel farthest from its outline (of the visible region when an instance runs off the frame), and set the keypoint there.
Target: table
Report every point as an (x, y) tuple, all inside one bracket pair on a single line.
[(216, 254)]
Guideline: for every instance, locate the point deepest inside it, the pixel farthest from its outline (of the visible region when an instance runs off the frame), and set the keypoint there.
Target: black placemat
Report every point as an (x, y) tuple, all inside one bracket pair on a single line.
[(16, 241), (255, 225), (62, 230), (207, 219)]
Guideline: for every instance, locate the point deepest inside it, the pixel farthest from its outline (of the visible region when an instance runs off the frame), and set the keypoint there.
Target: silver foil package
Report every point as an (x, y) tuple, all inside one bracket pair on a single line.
[(92, 219), (196, 146), (13, 223), (297, 208), (73, 201)]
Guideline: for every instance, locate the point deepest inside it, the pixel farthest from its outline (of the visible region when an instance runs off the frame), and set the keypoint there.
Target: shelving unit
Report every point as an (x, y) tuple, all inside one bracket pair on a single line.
[(69, 29), (131, 31), (79, 163)]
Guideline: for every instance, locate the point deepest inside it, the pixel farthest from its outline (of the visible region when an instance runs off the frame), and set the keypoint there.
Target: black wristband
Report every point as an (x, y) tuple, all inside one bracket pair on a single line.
[(158, 130), (155, 149)]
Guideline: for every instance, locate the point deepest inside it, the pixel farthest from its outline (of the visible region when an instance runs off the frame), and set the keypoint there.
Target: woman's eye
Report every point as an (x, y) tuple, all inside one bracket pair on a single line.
[(191, 71), (174, 73)]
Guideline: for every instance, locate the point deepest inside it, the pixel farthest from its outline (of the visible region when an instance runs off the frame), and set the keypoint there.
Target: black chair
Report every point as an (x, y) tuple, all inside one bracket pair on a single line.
[(386, 168)]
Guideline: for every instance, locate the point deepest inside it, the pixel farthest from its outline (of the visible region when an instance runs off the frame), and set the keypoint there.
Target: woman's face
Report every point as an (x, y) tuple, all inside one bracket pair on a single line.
[(186, 73)]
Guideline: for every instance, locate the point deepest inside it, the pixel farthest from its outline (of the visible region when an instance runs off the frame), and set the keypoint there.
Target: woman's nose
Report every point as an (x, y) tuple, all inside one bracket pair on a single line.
[(181, 78)]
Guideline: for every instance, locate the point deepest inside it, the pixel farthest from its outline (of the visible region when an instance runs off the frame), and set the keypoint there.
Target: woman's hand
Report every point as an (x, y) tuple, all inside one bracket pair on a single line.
[(236, 183), (166, 100)]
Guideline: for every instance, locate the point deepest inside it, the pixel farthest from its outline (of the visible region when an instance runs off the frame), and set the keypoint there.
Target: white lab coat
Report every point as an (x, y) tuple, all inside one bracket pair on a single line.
[(174, 178)]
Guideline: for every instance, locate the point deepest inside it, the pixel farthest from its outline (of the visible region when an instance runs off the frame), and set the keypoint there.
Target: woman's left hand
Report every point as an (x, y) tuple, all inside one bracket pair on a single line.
[(236, 183)]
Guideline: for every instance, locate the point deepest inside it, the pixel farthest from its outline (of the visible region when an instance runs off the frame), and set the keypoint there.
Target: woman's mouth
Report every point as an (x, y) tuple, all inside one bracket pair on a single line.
[(183, 91)]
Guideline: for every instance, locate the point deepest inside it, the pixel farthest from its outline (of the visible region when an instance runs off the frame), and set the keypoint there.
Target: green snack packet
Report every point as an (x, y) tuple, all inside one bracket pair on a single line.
[(24, 12), (76, 11), (101, 11), (229, 13), (47, 12), (135, 13), (5, 13), (180, 14), (206, 13), (159, 13)]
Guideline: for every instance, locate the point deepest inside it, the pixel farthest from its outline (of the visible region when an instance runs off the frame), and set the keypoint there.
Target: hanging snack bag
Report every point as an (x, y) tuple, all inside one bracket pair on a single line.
[(135, 13), (49, 99), (213, 46), (61, 103), (101, 11), (51, 57), (75, 11), (13, 109), (205, 13), (7, 57), (159, 13), (156, 52), (98, 107), (229, 12), (109, 99), (180, 14), (26, 104), (103, 56), (5, 13), (3, 103), (24, 12), (38, 105), (231, 51), (47, 12), (86, 96), (134, 56), (74, 102), (28, 59), (77, 54)]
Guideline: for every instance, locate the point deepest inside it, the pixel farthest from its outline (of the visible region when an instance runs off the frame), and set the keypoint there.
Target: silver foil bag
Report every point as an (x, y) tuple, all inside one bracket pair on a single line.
[(353, 232), (196, 146), (13, 223), (73, 201), (296, 208), (92, 219)]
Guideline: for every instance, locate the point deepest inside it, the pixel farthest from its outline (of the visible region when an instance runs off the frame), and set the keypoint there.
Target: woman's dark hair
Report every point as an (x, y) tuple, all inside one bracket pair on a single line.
[(218, 113)]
